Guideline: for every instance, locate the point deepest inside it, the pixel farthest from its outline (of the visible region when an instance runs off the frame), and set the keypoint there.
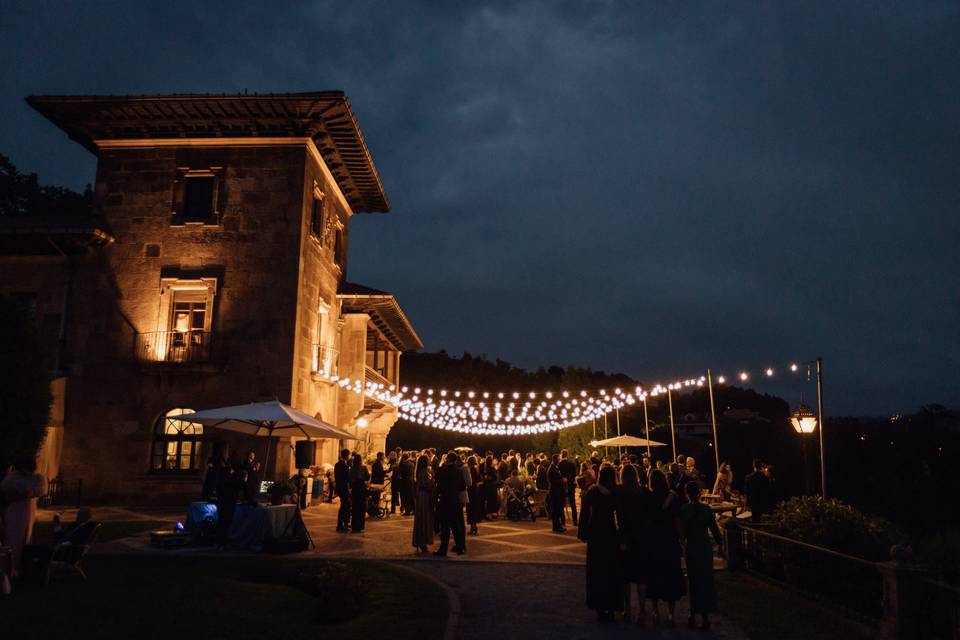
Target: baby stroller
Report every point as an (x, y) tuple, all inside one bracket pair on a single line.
[(520, 505), (375, 502)]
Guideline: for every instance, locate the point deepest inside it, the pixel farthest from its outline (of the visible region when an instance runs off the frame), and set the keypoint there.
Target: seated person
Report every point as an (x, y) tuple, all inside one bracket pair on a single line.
[(514, 482)]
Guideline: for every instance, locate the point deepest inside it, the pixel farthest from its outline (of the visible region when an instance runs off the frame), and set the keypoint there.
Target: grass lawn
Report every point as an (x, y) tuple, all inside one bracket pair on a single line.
[(211, 598), (767, 612)]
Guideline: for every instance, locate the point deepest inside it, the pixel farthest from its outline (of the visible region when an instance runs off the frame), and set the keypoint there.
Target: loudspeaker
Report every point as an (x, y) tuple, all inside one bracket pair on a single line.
[(306, 453)]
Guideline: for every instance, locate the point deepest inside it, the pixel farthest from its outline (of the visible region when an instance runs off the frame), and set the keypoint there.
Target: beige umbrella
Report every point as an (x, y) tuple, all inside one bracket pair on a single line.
[(268, 419), (626, 441)]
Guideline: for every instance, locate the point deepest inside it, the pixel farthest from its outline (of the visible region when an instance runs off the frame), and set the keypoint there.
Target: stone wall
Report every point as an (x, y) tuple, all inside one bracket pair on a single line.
[(115, 400)]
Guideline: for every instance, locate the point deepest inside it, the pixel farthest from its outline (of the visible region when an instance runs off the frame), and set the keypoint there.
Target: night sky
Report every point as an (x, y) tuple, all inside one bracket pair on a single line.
[(647, 188)]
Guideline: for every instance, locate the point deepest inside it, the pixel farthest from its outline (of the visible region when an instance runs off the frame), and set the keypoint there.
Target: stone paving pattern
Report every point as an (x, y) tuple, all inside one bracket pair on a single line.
[(517, 578)]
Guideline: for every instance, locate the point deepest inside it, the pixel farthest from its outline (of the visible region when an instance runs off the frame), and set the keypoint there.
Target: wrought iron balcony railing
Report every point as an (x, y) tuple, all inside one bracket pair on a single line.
[(326, 360), (174, 346)]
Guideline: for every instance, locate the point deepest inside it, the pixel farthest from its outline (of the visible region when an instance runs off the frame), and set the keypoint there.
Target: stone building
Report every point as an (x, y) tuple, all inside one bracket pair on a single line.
[(213, 272)]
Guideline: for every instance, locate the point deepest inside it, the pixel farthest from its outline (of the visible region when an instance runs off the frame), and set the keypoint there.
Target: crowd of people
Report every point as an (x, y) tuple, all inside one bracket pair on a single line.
[(639, 517), (639, 521)]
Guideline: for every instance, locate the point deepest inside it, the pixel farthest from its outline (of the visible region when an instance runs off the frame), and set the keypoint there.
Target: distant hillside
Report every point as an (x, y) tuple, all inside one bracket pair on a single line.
[(477, 373)]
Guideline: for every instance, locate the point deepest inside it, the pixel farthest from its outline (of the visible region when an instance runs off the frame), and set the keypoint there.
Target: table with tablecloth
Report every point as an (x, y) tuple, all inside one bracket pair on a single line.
[(252, 525)]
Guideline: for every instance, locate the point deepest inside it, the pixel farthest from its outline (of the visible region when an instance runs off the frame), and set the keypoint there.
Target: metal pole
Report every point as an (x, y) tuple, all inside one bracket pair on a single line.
[(619, 449), (673, 436), (713, 421), (594, 420), (606, 449), (646, 426), (823, 466)]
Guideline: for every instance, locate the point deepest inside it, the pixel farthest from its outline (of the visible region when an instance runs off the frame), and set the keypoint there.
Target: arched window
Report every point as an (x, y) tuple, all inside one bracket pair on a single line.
[(176, 445)]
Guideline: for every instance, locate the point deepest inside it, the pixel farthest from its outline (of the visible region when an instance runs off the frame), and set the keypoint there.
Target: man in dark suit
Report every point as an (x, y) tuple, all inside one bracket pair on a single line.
[(394, 469), (408, 472), (450, 483), (756, 486), (556, 493), (568, 469), (677, 480), (378, 477), (341, 483), (595, 462)]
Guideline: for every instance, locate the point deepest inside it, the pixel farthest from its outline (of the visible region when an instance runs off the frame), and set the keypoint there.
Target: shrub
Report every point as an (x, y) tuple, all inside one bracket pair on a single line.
[(24, 385), (941, 553), (834, 525)]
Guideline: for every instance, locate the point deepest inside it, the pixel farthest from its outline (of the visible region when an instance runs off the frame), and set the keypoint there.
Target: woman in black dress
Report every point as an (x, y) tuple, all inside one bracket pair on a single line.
[(475, 496), (359, 479), (598, 528), (665, 577), (490, 486), (633, 515)]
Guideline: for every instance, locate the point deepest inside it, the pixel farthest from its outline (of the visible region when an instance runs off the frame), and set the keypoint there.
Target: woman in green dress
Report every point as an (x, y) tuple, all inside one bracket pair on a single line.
[(697, 518)]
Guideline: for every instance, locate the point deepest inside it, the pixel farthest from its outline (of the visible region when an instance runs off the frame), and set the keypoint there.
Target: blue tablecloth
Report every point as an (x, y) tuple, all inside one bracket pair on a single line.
[(252, 525)]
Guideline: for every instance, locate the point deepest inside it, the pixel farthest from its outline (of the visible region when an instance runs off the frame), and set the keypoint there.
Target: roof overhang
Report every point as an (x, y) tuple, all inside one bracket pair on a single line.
[(323, 116), (51, 236), (384, 312)]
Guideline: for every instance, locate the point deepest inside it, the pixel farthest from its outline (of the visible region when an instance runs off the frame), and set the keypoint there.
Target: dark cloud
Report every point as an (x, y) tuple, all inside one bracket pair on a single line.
[(647, 188)]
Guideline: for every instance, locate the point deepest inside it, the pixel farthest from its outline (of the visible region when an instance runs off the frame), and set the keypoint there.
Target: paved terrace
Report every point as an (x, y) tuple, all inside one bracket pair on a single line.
[(516, 577)]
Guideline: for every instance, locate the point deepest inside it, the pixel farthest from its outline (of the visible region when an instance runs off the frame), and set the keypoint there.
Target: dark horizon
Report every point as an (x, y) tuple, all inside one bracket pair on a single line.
[(649, 190)]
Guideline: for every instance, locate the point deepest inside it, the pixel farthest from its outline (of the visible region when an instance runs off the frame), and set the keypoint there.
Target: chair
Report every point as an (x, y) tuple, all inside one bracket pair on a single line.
[(69, 552)]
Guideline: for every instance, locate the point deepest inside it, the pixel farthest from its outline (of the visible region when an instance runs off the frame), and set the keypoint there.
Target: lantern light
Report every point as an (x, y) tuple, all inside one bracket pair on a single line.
[(804, 421)]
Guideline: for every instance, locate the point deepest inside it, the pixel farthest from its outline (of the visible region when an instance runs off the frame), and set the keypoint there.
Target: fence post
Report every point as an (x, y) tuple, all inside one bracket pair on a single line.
[(901, 601), (732, 544)]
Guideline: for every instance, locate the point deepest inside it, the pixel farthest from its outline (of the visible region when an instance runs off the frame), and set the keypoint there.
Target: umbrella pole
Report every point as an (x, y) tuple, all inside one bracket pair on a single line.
[(673, 436), (267, 461), (646, 426), (606, 449), (619, 448), (713, 421)]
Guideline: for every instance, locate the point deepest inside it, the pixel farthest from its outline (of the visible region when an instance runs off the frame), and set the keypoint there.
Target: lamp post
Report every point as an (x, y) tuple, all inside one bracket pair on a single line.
[(804, 423)]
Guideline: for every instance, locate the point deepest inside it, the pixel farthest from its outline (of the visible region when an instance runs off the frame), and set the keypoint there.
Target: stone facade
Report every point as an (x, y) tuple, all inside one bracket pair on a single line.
[(178, 314)]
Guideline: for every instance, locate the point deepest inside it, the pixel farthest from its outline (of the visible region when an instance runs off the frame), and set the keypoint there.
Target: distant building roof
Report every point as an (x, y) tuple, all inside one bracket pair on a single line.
[(323, 116), (384, 312)]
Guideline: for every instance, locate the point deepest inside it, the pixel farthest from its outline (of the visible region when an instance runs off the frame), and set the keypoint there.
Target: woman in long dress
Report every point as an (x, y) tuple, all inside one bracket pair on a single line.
[(359, 479), (697, 519), (21, 488), (490, 487), (598, 528), (665, 576), (474, 496), (423, 509), (633, 509), (723, 486)]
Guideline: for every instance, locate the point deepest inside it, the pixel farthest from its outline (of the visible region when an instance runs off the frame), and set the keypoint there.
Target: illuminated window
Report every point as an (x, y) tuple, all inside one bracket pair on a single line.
[(176, 445)]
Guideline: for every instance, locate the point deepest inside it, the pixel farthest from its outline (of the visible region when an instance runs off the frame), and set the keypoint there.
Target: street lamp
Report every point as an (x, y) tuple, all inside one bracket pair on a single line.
[(804, 422)]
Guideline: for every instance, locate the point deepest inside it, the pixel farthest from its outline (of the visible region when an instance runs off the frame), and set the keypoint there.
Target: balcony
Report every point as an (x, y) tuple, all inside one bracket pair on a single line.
[(326, 360), (177, 347), (377, 377)]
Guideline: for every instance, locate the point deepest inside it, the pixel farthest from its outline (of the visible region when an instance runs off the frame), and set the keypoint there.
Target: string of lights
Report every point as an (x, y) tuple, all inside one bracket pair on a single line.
[(520, 413)]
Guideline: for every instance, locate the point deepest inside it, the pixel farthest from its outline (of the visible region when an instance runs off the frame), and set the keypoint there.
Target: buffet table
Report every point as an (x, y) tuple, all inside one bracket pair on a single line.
[(253, 525)]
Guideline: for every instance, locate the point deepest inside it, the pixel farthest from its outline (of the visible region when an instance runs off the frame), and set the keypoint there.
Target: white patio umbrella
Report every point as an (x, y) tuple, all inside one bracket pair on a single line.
[(268, 419), (626, 441)]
